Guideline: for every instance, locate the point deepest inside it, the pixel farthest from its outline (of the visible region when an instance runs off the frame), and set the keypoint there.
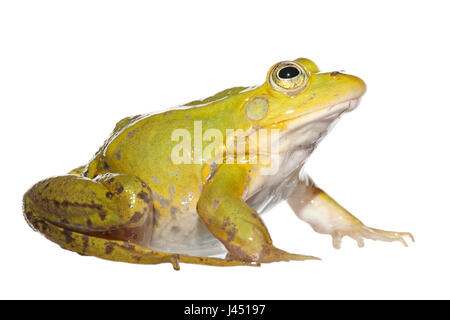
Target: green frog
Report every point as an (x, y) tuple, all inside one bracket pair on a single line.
[(190, 183)]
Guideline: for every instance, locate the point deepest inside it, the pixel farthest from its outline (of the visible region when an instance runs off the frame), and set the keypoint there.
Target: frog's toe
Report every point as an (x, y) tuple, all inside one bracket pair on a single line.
[(274, 255), (300, 257), (361, 232), (175, 261)]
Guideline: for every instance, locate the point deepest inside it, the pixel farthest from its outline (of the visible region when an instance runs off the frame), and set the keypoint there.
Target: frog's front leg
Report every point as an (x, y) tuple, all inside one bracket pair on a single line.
[(325, 215), (233, 222), (109, 217)]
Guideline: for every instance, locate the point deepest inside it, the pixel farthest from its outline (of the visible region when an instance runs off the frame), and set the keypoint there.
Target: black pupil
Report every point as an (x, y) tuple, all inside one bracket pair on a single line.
[(288, 73)]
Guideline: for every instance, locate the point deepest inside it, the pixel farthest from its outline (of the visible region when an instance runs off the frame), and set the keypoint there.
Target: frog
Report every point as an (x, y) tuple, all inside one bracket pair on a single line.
[(152, 194)]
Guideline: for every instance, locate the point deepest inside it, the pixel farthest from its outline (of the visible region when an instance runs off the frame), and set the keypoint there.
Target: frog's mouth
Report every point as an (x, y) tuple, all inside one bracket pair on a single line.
[(328, 113)]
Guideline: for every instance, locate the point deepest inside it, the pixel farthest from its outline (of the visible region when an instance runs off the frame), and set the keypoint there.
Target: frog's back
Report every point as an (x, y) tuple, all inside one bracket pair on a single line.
[(146, 140)]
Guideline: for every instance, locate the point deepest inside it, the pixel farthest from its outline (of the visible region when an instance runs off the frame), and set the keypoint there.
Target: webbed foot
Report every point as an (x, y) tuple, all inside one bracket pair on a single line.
[(359, 232)]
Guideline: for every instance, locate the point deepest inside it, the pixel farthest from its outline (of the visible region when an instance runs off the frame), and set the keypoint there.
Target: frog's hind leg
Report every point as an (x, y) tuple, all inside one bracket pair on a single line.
[(108, 249), (325, 215), (109, 217), (116, 250), (217, 262)]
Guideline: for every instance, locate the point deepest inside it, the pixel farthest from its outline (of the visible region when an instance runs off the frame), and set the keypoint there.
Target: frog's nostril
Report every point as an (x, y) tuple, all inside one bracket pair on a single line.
[(335, 74)]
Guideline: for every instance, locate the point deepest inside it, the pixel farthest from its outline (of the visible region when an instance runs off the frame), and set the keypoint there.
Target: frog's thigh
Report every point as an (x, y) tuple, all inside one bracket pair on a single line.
[(233, 222), (325, 215), (109, 204), (100, 217)]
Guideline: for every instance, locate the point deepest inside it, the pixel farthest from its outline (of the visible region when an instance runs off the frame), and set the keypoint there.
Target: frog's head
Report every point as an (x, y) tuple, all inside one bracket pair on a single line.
[(297, 104), (296, 93)]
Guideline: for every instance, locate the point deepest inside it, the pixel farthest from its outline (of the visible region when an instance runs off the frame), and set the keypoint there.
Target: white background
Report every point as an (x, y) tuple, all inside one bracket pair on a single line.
[(69, 70)]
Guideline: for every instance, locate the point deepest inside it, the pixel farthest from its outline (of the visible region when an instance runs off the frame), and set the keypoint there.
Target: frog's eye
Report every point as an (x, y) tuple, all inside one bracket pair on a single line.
[(287, 76)]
